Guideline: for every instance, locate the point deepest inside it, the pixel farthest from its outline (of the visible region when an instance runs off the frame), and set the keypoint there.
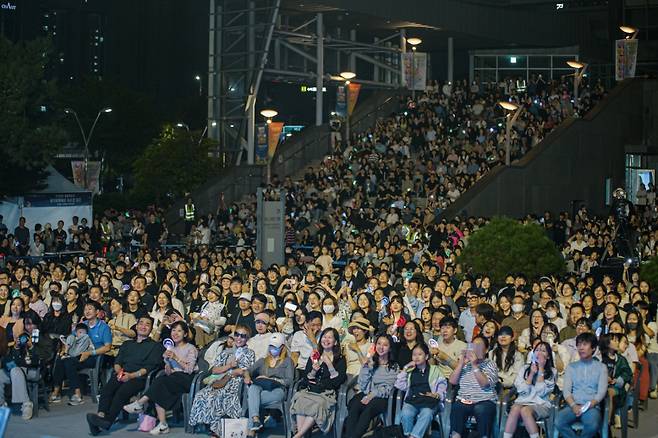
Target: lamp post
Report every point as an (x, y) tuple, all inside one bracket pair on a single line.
[(347, 76), (513, 112), (198, 79), (413, 42), (631, 32), (269, 114), (580, 68), (87, 138)]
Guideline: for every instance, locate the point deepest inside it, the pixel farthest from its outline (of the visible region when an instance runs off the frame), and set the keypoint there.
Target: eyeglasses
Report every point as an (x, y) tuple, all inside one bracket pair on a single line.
[(260, 321), (241, 335)]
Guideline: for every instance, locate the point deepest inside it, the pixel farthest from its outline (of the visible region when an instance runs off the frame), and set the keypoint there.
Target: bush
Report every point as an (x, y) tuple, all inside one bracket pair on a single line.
[(505, 246), (649, 272)]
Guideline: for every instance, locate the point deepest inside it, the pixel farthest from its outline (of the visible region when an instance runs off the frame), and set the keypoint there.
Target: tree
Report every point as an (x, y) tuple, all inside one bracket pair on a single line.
[(506, 246), (29, 135), (173, 164)]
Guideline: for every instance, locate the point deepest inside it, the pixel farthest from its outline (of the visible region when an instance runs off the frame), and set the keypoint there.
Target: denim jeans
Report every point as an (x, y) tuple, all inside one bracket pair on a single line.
[(415, 421), (653, 369), (591, 421), (257, 397)]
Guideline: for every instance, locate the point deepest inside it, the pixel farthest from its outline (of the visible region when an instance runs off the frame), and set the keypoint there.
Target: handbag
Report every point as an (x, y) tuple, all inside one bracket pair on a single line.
[(146, 423), (234, 427), (267, 384)]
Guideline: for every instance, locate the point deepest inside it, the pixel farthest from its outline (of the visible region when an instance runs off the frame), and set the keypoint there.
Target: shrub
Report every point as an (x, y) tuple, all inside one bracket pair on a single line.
[(506, 246)]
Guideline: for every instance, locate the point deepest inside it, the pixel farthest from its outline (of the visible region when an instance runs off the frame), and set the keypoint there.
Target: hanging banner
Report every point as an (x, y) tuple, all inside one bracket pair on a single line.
[(414, 70), (341, 100), (91, 181), (274, 131), (352, 96), (625, 59), (261, 143)]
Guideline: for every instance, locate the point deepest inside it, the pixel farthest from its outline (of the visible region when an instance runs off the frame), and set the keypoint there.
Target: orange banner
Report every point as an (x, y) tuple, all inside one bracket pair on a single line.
[(273, 134), (352, 96)]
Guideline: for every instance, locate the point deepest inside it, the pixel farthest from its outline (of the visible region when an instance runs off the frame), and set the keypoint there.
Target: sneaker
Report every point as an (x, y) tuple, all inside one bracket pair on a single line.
[(55, 398), (26, 410), (134, 408), (256, 425), (75, 400), (160, 429), (617, 422), (653, 394)]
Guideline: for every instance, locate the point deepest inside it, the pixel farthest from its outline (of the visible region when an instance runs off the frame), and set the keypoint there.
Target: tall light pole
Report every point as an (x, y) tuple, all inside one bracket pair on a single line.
[(87, 138), (198, 79), (580, 68), (513, 112), (413, 42), (347, 76), (269, 114)]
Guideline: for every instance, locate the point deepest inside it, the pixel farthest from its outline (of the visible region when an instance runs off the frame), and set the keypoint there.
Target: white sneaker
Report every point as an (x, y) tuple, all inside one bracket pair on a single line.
[(26, 411), (75, 400), (653, 394), (160, 429), (134, 408)]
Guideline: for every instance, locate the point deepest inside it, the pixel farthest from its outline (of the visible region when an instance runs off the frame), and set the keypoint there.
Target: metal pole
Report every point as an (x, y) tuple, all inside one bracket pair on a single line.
[(352, 57), (320, 70), (508, 129), (347, 115), (451, 59), (403, 50), (413, 73), (251, 101)]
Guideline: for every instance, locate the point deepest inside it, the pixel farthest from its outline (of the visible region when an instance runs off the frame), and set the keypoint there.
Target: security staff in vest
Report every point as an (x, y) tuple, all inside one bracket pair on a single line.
[(189, 215)]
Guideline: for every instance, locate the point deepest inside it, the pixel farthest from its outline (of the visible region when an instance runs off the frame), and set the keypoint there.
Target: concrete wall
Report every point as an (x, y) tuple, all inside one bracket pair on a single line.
[(572, 163)]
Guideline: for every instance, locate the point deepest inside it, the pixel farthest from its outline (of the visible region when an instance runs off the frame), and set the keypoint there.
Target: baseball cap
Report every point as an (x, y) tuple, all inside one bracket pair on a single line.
[(245, 296), (277, 340)]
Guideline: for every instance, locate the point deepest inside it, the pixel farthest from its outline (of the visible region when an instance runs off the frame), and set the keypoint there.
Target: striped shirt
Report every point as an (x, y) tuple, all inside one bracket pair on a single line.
[(469, 388)]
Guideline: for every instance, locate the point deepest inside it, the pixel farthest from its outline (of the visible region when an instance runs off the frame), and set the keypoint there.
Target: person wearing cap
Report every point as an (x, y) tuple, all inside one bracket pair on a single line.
[(244, 316), (269, 379), (210, 318), (357, 348)]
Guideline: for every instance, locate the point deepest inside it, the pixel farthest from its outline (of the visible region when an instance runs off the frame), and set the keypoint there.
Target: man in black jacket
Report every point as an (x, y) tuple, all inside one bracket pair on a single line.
[(135, 360)]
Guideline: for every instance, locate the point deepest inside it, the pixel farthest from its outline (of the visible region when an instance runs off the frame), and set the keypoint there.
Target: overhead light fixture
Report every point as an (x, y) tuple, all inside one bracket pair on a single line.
[(575, 64), (414, 41), (268, 113), (106, 110), (512, 59), (347, 75), (630, 31), (509, 106)]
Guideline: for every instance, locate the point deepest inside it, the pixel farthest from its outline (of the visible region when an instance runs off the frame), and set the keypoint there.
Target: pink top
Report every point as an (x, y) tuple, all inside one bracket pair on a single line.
[(187, 355)]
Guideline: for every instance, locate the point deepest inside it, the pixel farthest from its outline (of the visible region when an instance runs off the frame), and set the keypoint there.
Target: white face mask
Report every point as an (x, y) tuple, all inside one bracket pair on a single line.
[(517, 308), (328, 308), (57, 305), (551, 314)]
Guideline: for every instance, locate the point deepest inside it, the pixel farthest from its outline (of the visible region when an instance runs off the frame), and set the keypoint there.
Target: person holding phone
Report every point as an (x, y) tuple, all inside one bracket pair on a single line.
[(534, 386), (477, 377), (425, 389)]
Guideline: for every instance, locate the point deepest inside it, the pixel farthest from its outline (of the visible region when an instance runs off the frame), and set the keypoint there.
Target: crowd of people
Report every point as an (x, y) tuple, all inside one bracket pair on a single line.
[(371, 294)]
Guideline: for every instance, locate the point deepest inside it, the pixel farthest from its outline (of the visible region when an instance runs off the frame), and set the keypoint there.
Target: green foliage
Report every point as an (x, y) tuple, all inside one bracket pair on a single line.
[(649, 272), (505, 246), (29, 136), (173, 164)]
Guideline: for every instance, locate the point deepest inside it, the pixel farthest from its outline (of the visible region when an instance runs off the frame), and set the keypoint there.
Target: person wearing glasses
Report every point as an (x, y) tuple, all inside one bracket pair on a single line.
[(221, 397)]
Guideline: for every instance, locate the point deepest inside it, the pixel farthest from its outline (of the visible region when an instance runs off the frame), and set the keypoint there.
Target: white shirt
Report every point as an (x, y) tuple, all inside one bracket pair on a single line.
[(302, 345), (259, 343)]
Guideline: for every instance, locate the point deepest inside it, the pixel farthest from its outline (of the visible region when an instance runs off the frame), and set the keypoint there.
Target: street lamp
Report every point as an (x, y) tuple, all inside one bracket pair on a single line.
[(183, 125), (198, 79), (413, 42), (631, 32), (580, 68), (87, 138), (347, 76), (513, 111)]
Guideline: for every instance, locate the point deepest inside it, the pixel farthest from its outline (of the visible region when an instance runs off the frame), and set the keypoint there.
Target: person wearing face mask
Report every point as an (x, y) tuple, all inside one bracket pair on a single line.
[(518, 320), (331, 317), (221, 397), (553, 315), (269, 379), (57, 322)]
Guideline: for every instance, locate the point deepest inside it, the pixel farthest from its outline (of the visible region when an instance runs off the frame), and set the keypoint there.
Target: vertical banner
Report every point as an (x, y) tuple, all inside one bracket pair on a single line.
[(92, 181), (625, 59), (274, 131), (261, 143), (414, 70), (341, 100), (352, 96)]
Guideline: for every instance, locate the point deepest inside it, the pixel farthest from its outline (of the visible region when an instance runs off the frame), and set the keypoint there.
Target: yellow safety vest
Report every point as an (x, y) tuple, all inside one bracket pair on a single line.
[(189, 212)]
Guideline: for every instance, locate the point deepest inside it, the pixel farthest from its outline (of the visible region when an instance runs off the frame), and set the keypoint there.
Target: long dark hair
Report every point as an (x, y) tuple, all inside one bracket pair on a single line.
[(392, 360), (509, 359), (336, 349), (548, 368)]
